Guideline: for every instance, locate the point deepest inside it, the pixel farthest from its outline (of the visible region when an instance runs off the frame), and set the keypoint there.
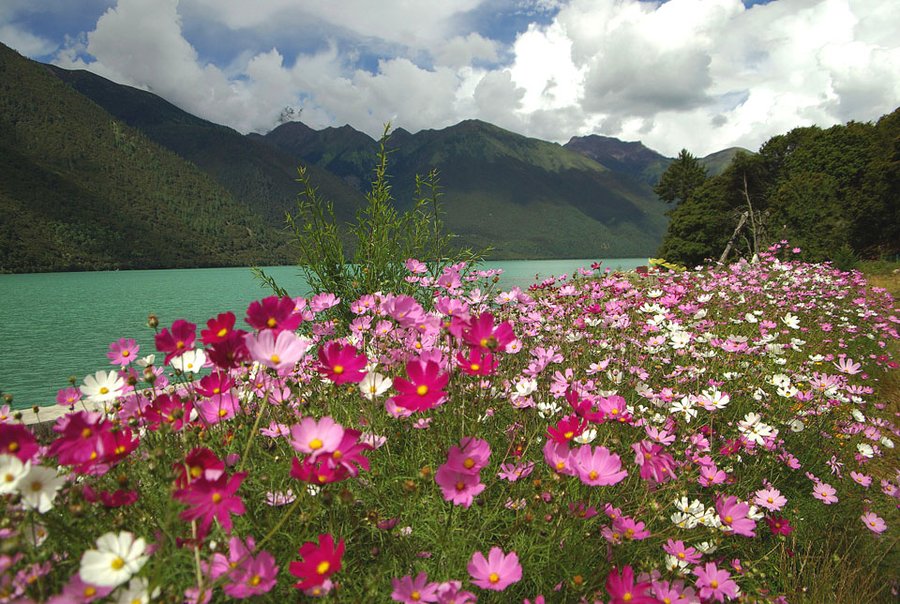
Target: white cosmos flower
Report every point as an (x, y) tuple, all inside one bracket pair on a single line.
[(796, 425), (685, 406), (137, 592), (791, 321), (12, 470), (887, 442), (39, 487), (189, 362), (682, 520), (116, 559), (586, 437), (102, 386), (526, 387), (374, 385), (865, 450)]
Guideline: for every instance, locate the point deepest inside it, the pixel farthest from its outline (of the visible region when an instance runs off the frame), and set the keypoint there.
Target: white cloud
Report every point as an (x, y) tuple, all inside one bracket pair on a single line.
[(701, 74), (25, 42)]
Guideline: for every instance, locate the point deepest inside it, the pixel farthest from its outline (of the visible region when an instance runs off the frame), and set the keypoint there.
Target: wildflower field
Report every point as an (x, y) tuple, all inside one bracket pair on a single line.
[(699, 436)]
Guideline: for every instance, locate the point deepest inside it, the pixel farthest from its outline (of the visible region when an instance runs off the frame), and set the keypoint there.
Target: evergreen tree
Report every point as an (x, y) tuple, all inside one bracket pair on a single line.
[(681, 178)]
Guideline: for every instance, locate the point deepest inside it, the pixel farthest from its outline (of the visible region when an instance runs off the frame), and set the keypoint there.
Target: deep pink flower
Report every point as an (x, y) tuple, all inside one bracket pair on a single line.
[(319, 561), (17, 440), (630, 529), (567, 429), (497, 572), (479, 332), (779, 526), (230, 352), (176, 341), (79, 439), (424, 389), (169, 410), (273, 313), (557, 456), (210, 500), (583, 407), (218, 329), (342, 364), (217, 382), (715, 583), (409, 590), (479, 362), (733, 515), (597, 467), (200, 463), (622, 588), (123, 352), (656, 465)]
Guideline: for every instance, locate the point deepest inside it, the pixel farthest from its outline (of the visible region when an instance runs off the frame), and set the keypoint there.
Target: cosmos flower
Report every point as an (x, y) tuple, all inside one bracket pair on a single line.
[(496, 572), (319, 561), (117, 557)]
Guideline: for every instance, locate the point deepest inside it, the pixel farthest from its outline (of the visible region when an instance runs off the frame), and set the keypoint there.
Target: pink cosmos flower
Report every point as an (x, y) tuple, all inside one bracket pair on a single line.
[(681, 552), (779, 525), (274, 313), (711, 475), (770, 498), (873, 522), (248, 575), (715, 583), (513, 472), (478, 363), (323, 301), (470, 456), (410, 591), (622, 589), (123, 352), (67, 397), (218, 408), (210, 500), (342, 364), (630, 529), (316, 438), (733, 515), (319, 562), (656, 465), (861, 479), (557, 456), (78, 591), (280, 354), (497, 572), (176, 341), (424, 389), (825, 493), (199, 463), (479, 332), (458, 487), (596, 466)]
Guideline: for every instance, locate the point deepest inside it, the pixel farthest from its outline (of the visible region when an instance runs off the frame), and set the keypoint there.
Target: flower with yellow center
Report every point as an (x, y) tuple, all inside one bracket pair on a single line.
[(117, 557)]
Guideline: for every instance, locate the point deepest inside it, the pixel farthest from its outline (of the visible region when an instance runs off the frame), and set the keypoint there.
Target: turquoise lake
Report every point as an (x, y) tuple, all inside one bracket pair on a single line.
[(56, 325)]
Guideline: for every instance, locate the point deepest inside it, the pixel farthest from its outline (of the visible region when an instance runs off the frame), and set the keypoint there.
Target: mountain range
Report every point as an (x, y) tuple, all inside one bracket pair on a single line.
[(98, 175)]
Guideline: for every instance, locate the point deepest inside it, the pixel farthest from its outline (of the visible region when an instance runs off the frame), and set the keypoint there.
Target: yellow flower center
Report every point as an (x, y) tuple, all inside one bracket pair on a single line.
[(104, 390), (714, 584), (315, 444), (614, 411), (460, 486), (493, 577), (89, 591), (323, 567), (196, 471), (681, 556), (255, 580), (179, 344), (338, 369), (626, 597), (222, 332), (593, 475), (223, 412), (469, 463), (86, 433), (271, 322), (560, 465), (275, 358), (217, 390), (475, 367), (422, 390), (9, 477), (216, 497), (126, 353), (727, 519), (37, 485), (415, 596), (117, 563), (13, 447)]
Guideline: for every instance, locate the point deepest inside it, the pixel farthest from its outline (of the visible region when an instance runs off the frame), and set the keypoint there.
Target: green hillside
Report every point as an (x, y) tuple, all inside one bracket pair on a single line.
[(525, 197), (257, 174), (80, 190)]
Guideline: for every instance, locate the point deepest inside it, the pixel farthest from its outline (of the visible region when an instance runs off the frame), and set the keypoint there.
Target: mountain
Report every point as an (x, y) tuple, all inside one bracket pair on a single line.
[(257, 174), (525, 197), (81, 190), (641, 162)]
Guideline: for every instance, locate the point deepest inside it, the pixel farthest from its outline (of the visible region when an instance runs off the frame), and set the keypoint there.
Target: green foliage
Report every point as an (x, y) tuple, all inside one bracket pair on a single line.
[(383, 238), (79, 190), (680, 179), (833, 193)]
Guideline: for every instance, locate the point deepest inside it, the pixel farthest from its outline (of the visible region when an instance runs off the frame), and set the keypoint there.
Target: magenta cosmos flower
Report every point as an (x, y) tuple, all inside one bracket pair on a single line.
[(342, 364), (176, 341), (622, 588), (274, 313), (497, 572), (319, 561), (459, 487), (714, 583), (123, 352), (210, 500), (409, 590), (733, 515), (470, 456), (597, 467), (424, 389)]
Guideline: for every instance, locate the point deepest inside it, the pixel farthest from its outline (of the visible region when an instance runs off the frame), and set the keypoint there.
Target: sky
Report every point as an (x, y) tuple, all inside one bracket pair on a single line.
[(696, 74)]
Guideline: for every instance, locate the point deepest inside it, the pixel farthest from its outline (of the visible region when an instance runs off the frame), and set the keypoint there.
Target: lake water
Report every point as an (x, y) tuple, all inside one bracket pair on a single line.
[(56, 325)]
